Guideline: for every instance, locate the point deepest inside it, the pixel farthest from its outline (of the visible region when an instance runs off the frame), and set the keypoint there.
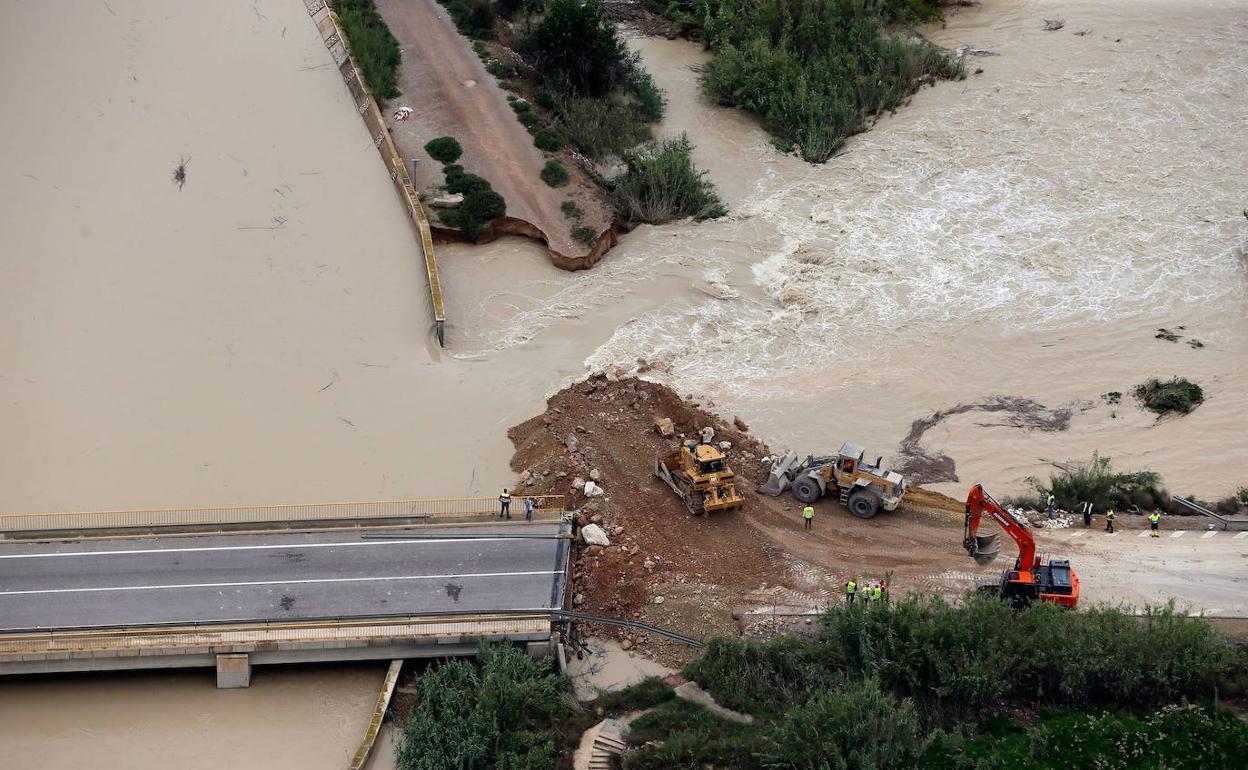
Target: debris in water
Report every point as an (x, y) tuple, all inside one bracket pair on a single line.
[(1195, 343), (1167, 335), (179, 173), (1053, 25), (926, 467)]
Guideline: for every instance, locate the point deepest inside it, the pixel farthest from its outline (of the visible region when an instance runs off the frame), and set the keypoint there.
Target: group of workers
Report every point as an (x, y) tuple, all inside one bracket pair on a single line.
[(1154, 518), (874, 591)]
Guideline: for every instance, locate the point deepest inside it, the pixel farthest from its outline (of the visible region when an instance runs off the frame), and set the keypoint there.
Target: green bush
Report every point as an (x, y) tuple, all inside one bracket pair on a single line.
[(444, 149), (577, 50), (1098, 483), (816, 71), (662, 184), (600, 128), (480, 207), (1241, 493), (585, 234), (650, 97), (554, 174), (473, 18), (855, 728), (496, 712), (1177, 737), (574, 212), (950, 658), (466, 183), (1177, 394), (546, 140), (372, 45), (682, 735), (650, 691)]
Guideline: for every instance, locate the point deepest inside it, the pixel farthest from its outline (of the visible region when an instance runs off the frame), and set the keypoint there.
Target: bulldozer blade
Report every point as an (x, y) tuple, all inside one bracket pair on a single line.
[(986, 549), (779, 478)]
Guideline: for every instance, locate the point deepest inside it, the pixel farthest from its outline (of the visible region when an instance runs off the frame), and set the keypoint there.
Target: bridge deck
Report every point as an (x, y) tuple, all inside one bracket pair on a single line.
[(278, 576)]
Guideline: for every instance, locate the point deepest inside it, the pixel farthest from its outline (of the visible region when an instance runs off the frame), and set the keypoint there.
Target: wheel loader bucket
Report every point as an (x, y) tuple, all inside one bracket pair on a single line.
[(986, 549), (780, 476)]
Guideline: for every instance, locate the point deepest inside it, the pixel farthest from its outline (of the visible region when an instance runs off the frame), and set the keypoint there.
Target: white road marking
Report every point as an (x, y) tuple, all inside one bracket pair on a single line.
[(1144, 533), (251, 583), (267, 547), (1208, 535), (1180, 533), (1074, 535), (1242, 534)]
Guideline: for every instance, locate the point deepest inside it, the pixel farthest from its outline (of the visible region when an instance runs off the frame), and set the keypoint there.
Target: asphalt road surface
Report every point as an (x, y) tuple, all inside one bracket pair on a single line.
[(278, 576)]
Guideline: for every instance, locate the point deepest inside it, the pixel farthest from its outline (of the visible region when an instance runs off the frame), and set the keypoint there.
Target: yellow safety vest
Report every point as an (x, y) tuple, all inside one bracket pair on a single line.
[(1154, 518), (851, 587), (1109, 514), (808, 512), (505, 497)]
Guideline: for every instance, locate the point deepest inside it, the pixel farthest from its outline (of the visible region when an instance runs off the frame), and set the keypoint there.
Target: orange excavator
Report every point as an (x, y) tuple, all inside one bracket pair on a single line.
[(1030, 580)]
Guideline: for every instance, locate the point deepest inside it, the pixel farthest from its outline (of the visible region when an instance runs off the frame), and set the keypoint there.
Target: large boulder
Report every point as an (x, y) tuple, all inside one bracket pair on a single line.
[(665, 427), (592, 534)]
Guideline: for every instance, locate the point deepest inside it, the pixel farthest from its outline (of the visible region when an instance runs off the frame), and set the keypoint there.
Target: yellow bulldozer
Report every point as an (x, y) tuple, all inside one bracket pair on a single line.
[(698, 473)]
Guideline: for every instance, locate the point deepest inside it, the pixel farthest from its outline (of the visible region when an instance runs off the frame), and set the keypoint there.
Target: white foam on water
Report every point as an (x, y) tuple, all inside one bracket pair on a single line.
[(1089, 190)]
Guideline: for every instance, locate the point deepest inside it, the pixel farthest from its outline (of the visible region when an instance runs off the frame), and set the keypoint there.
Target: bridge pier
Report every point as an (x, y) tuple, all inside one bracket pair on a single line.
[(233, 671)]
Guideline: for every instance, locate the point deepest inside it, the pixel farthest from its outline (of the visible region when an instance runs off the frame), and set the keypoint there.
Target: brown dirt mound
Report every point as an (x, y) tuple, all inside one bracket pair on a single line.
[(711, 571)]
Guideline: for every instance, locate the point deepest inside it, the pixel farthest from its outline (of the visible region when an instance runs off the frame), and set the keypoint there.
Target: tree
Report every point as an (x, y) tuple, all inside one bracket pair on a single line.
[(577, 50)]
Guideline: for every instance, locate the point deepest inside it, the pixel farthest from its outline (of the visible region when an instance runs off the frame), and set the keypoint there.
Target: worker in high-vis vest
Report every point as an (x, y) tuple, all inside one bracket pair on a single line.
[(1049, 503), (1087, 514), (851, 588), (504, 502), (1109, 521), (808, 516), (1153, 519)]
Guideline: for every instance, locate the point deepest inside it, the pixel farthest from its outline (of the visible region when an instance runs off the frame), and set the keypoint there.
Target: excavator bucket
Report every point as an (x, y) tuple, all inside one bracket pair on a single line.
[(986, 549), (781, 474)]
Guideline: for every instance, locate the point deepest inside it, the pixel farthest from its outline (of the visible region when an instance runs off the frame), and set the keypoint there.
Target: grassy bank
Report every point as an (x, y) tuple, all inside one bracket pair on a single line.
[(815, 71), (375, 50), (920, 683)]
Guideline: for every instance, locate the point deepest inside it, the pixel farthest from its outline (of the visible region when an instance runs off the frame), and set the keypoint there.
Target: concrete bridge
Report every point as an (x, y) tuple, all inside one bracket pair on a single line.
[(233, 600)]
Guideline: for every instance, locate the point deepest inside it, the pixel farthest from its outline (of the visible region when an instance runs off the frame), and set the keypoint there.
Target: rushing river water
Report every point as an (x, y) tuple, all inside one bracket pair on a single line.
[(262, 334)]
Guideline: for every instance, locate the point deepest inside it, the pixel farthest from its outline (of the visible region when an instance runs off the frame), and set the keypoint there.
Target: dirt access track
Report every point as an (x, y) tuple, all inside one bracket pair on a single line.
[(445, 83), (706, 575)]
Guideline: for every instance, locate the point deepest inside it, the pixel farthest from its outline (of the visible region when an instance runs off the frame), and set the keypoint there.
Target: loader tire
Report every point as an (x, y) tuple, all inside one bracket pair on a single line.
[(807, 490), (864, 503)]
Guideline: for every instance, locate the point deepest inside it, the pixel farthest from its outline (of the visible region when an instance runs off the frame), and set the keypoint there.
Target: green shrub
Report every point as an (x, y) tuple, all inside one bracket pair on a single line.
[(528, 120), (1098, 483), (1177, 737), (600, 128), (585, 234), (473, 18), (501, 70), (855, 728), (662, 184), (1177, 394), (554, 174), (466, 183), (650, 97), (496, 712), (678, 734), (577, 49), (480, 207), (1241, 493), (544, 98), (816, 71), (951, 658), (372, 45), (650, 691), (574, 212), (546, 140), (444, 149)]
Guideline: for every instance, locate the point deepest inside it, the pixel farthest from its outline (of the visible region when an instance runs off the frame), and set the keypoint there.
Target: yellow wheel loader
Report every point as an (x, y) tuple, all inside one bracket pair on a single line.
[(865, 488), (699, 474)]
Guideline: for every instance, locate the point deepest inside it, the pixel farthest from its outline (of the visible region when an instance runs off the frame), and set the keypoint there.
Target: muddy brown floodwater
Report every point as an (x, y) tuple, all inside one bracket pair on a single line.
[(261, 334)]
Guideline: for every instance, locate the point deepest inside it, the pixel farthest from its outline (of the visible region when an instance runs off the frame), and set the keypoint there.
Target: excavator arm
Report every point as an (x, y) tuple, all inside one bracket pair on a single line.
[(984, 548)]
